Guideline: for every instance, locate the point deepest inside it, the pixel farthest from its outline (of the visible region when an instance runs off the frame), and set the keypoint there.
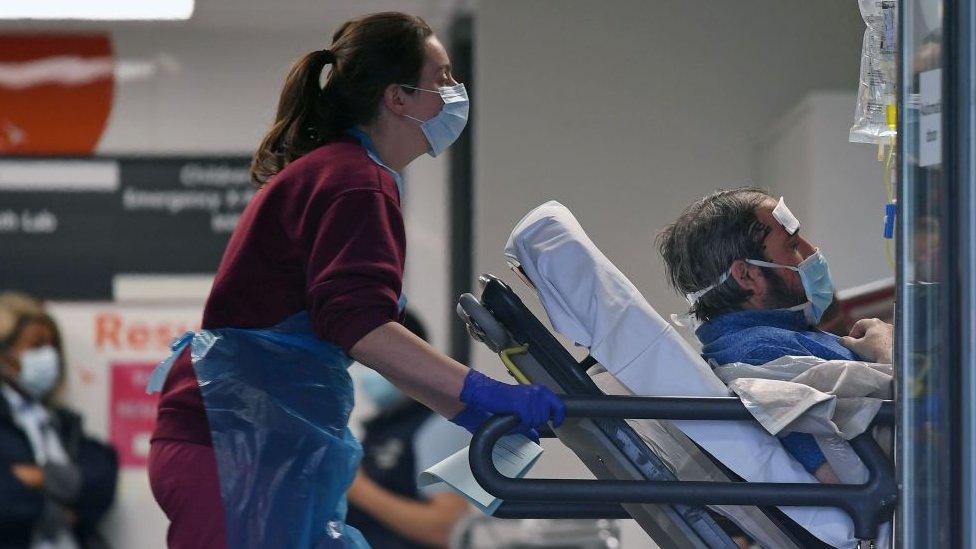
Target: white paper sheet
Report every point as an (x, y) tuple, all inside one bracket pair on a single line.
[(514, 455)]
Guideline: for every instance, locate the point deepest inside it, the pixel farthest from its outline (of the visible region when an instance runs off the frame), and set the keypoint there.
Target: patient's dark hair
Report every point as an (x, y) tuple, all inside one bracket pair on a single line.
[(704, 241)]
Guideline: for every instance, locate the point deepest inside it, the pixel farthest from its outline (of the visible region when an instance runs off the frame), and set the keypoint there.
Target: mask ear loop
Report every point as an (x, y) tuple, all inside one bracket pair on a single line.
[(408, 86), (760, 263), (419, 89), (693, 297)]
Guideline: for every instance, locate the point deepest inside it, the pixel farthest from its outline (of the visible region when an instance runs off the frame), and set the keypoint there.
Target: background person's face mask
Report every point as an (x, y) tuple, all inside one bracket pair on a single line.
[(446, 126), (379, 389), (39, 370)]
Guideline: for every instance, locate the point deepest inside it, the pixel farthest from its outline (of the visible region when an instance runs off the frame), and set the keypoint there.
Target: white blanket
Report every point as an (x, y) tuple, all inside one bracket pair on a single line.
[(834, 400), (811, 395), (590, 301)]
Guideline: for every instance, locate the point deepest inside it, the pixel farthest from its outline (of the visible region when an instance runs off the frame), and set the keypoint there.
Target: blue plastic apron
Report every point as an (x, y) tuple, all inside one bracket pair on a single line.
[(277, 401)]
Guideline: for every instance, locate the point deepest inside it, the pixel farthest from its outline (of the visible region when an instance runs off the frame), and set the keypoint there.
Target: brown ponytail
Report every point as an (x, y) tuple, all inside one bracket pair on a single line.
[(367, 55)]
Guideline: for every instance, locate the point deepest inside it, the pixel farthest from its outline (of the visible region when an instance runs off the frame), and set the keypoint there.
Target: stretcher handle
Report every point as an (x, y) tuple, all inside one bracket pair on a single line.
[(552, 510), (687, 408), (869, 504)]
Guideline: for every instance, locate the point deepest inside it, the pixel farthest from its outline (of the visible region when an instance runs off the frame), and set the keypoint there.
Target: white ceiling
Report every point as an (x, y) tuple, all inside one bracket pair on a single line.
[(309, 14), (275, 15)]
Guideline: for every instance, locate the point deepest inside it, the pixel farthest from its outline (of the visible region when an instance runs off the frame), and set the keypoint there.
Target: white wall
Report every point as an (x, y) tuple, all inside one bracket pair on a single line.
[(835, 188), (628, 110)]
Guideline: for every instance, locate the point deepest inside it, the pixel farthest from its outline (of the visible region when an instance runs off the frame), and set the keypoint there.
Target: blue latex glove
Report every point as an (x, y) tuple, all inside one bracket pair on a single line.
[(471, 418), (533, 404)]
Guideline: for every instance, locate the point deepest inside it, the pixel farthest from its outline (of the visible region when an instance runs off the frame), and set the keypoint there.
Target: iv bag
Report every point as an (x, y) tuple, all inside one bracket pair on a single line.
[(876, 90)]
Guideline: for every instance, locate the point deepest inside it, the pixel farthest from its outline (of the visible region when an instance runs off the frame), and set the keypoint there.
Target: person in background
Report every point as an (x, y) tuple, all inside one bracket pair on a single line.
[(401, 440), (56, 484)]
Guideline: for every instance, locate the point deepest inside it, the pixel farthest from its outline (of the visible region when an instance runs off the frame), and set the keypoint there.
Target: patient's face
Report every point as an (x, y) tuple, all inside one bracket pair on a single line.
[(779, 246)]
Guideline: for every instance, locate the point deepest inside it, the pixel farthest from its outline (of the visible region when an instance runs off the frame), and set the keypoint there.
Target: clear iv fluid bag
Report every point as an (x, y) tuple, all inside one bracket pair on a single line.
[(878, 75)]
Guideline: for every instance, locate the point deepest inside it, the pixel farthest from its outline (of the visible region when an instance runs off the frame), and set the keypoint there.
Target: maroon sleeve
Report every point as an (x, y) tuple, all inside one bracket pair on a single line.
[(355, 264)]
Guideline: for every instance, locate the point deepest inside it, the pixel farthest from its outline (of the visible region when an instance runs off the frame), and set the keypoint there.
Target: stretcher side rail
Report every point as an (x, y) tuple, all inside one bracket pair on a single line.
[(563, 510), (869, 504)]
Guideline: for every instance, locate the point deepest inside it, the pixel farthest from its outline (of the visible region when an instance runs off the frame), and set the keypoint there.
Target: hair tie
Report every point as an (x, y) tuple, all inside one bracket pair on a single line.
[(327, 56)]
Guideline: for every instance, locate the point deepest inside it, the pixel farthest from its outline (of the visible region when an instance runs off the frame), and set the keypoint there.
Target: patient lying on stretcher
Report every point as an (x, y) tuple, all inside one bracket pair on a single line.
[(589, 301), (758, 291)]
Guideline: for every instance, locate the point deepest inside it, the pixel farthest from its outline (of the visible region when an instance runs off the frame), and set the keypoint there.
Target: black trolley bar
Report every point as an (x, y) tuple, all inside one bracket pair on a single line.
[(868, 504)]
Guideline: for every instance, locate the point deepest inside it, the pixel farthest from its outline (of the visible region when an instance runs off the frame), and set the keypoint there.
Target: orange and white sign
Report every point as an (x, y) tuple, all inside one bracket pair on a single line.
[(100, 335)]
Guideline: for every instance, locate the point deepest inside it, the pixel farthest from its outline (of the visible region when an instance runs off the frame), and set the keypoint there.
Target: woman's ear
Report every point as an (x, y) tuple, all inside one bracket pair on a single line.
[(394, 99)]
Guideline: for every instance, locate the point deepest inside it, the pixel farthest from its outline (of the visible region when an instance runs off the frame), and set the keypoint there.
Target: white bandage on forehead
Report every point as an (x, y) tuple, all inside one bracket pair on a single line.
[(786, 217)]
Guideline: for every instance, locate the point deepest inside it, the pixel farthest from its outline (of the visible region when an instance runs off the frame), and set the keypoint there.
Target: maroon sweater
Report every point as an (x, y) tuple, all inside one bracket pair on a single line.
[(325, 235)]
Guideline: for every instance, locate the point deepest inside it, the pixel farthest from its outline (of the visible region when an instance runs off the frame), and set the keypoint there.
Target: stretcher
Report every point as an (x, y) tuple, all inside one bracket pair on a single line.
[(665, 460)]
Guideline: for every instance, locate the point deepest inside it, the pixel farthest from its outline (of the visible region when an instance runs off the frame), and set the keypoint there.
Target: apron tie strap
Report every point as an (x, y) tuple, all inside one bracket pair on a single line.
[(159, 373)]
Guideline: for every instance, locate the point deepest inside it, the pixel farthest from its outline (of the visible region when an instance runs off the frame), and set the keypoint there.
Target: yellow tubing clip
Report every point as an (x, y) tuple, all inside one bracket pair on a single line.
[(506, 356)]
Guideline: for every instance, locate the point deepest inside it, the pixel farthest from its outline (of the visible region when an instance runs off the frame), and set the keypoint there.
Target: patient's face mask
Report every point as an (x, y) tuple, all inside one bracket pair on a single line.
[(814, 274), (445, 127), (817, 284)]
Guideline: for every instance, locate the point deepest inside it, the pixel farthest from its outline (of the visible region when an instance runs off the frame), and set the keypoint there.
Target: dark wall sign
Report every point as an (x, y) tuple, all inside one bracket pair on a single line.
[(68, 226)]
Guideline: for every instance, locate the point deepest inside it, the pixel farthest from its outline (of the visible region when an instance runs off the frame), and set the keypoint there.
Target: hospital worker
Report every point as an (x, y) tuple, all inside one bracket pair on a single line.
[(251, 447)]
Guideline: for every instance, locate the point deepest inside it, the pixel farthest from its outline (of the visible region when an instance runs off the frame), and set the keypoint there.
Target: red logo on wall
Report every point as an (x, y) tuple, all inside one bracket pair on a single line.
[(132, 416), (56, 92)]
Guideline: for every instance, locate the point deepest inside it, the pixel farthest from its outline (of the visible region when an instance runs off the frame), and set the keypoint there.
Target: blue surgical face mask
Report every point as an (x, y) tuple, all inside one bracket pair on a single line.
[(446, 126), (39, 370), (378, 389), (817, 285), (815, 276)]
